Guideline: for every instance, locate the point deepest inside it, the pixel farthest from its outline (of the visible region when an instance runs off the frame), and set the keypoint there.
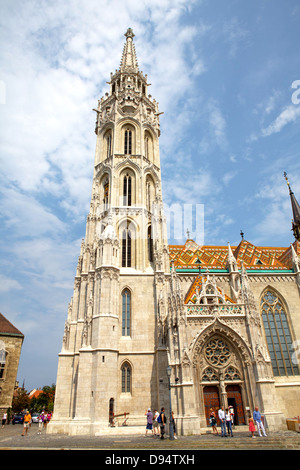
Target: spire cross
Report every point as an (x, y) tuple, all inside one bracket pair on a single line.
[(188, 233)]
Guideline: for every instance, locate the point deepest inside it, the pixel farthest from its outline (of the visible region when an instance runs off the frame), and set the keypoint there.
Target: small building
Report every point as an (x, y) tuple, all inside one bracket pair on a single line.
[(11, 340)]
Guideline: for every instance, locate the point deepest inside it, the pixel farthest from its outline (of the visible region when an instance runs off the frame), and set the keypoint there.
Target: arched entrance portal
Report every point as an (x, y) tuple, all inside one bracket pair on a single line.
[(219, 369)]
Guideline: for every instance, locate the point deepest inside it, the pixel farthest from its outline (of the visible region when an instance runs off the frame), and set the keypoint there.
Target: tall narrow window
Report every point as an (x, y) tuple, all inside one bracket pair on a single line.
[(108, 144), (106, 194), (126, 378), (147, 147), (150, 244), (126, 312), (126, 248), (2, 361), (278, 334), (127, 190), (128, 142)]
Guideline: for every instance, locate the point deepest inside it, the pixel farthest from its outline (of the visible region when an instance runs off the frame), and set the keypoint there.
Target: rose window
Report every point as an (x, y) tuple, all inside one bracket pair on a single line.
[(217, 352)]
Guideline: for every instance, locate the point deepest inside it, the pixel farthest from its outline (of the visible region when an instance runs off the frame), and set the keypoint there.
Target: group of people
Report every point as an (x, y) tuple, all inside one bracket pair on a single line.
[(226, 417), (43, 420), (156, 423)]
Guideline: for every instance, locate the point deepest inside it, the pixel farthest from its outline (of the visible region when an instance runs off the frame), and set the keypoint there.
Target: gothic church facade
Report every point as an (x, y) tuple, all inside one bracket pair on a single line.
[(224, 320)]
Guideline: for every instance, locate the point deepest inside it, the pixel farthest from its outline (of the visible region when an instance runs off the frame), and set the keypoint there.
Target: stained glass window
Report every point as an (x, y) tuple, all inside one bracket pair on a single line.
[(278, 334)]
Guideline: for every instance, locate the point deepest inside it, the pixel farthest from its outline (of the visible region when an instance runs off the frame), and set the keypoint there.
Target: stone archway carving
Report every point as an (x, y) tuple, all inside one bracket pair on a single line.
[(220, 357)]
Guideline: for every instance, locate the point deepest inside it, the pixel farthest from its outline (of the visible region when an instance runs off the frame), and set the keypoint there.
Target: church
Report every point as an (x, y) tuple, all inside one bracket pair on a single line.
[(157, 325)]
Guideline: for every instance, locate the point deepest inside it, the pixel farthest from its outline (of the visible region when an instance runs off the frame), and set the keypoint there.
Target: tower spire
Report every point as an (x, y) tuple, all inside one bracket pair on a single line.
[(296, 211), (129, 60)]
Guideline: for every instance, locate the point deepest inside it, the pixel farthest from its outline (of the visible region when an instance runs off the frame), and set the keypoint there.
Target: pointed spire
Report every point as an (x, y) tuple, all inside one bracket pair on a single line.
[(296, 211), (231, 261), (129, 59)]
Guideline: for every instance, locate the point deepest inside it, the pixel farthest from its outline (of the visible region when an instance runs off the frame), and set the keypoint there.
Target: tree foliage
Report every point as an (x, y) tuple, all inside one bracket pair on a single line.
[(44, 402)]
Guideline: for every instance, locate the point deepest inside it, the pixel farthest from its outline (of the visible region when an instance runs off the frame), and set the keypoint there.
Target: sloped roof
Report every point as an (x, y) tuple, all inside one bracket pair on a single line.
[(197, 285), (7, 328), (255, 258)]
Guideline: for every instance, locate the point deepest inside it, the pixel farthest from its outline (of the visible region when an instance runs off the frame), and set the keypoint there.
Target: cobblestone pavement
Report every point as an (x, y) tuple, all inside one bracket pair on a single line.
[(11, 439)]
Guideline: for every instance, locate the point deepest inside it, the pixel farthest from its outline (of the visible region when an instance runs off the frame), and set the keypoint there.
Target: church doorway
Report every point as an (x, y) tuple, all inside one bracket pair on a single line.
[(234, 398), (111, 411), (211, 400)]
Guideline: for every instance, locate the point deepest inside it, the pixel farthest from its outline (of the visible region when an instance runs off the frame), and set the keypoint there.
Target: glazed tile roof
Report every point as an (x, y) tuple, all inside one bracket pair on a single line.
[(254, 258)]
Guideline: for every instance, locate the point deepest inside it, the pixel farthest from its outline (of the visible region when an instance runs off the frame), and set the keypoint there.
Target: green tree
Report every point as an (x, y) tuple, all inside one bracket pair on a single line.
[(21, 401)]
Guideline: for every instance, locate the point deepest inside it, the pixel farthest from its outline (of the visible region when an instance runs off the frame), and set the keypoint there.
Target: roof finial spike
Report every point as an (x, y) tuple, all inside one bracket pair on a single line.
[(295, 210), (129, 33)]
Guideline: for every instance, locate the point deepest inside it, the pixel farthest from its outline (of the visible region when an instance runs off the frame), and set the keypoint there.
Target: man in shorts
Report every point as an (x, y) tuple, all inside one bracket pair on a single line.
[(149, 426), (27, 420), (155, 423)]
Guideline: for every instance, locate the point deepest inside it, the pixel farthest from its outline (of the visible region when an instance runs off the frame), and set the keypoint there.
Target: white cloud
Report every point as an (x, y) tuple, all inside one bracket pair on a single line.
[(289, 114), (7, 284)]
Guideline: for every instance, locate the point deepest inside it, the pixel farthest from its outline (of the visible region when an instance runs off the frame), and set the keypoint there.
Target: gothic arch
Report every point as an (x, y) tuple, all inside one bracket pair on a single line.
[(127, 231), (127, 186), (217, 328), (128, 136), (107, 142), (278, 331), (126, 370)]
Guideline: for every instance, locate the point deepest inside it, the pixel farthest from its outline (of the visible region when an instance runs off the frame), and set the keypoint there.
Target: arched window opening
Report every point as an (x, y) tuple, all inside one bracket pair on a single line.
[(147, 147), (126, 248), (126, 312), (105, 194), (108, 145), (126, 378), (150, 244), (128, 142), (127, 190), (278, 334)]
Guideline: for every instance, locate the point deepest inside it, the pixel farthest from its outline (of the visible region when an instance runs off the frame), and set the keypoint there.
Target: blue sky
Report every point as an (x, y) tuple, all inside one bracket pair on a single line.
[(223, 73)]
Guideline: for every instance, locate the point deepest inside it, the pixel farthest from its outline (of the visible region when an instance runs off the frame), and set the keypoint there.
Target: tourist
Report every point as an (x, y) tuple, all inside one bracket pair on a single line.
[(155, 423), (252, 427), (228, 422), (213, 421), (26, 424), (259, 423), (162, 420), (4, 418), (222, 418), (149, 426), (172, 420)]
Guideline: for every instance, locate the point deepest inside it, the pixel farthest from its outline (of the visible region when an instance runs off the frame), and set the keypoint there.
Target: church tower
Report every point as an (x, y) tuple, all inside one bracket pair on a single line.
[(110, 360)]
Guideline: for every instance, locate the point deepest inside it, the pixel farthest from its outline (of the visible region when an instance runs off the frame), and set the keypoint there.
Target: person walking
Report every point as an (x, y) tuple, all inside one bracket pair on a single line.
[(149, 426), (27, 421), (4, 418), (222, 418), (228, 422), (258, 421)]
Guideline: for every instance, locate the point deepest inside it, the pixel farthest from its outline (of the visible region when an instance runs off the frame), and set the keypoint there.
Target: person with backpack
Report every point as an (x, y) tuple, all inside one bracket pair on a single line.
[(162, 421), (155, 423)]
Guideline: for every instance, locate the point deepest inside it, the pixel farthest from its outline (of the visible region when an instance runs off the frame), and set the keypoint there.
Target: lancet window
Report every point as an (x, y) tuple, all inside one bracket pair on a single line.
[(126, 247), (126, 378), (126, 312), (128, 142), (127, 190), (278, 335)]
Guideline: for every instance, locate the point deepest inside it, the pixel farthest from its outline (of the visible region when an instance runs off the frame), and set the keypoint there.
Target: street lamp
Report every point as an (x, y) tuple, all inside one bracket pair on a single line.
[(171, 426)]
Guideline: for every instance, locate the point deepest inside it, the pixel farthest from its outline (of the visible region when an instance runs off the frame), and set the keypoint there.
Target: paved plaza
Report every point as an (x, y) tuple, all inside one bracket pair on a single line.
[(11, 439)]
